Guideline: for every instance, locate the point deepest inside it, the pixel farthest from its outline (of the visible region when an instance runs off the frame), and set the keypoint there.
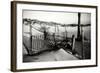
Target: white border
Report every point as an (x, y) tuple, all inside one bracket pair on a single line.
[(21, 65)]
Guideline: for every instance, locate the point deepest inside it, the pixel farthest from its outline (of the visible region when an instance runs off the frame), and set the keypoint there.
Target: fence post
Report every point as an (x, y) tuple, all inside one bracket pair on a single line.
[(73, 42), (82, 43)]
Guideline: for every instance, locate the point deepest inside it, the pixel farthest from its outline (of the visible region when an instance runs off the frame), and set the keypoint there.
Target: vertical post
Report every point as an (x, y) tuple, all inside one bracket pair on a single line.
[(65, 33), (78, 31), (82, 43), (73, 43), (55, 28), (55, 35), (58, 30), (36, 43), (30, 39)]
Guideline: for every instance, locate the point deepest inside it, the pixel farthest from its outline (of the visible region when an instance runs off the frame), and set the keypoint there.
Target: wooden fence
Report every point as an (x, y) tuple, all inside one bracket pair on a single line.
[(38, 43)]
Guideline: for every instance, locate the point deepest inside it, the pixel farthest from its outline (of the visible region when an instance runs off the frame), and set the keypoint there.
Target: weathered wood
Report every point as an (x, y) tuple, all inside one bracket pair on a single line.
[(82, 43), (26, 48), (78, 31), (73, 42)]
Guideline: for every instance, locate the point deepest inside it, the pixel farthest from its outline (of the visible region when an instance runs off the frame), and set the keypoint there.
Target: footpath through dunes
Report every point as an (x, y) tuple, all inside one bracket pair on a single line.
[(58, 55)]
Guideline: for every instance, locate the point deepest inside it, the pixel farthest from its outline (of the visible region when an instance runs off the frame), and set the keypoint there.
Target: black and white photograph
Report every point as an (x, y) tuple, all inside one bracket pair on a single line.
[(56, 36), (53, 36)]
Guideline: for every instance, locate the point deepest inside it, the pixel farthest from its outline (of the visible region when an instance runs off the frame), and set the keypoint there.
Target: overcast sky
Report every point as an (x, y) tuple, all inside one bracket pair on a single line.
[(59, 17)]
